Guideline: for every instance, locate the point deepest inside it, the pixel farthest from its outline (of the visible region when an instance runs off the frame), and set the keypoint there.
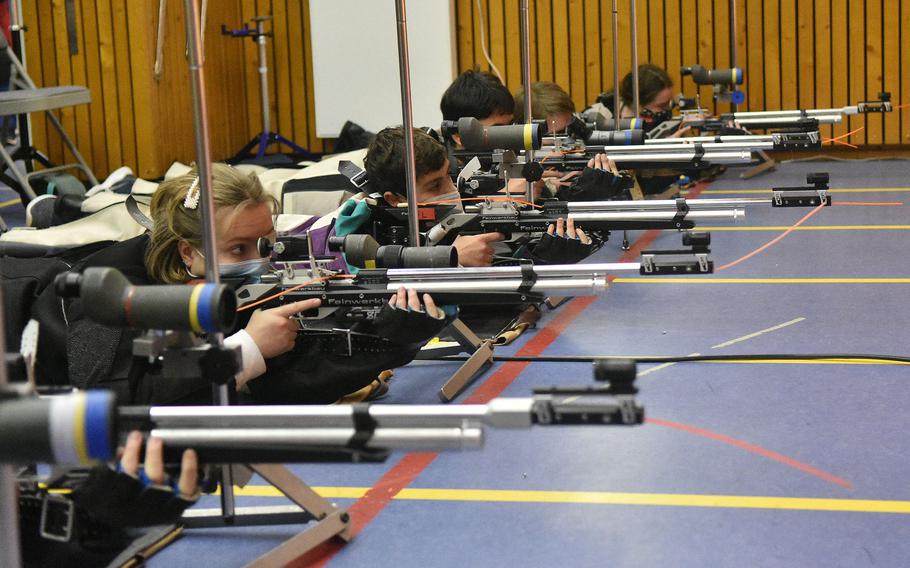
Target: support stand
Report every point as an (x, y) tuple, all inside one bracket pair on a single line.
[(331, 521), (265, 138), (480, 357), (766, 164)]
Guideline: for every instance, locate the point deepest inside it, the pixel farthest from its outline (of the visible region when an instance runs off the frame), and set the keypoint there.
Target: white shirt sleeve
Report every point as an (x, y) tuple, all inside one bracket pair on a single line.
[(252, 363)]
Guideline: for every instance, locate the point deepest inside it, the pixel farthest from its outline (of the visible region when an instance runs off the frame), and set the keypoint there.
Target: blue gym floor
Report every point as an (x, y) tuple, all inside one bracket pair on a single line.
[(740, 464)]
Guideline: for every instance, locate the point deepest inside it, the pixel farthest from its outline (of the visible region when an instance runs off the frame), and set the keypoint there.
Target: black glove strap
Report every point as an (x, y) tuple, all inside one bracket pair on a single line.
[(364, 426), (528, 276)]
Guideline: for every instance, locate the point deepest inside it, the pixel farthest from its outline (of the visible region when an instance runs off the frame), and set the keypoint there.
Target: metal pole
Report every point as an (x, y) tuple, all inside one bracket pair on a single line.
[(263, 76), (410, 166), (636, 104), (615, 66), (204, 171), (732, 43), (526, 80), (9, 492)]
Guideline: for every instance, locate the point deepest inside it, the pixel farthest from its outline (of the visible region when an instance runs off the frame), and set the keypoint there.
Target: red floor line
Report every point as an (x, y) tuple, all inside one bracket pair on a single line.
[(764, 452), (412, 465)]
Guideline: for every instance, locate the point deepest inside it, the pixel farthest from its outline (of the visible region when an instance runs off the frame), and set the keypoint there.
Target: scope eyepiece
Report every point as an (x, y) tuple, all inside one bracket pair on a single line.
[(475, 136), (704, 76), (116, 302)]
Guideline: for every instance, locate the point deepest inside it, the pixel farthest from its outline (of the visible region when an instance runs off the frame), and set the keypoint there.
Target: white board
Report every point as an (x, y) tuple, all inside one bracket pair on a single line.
[(355, 62)]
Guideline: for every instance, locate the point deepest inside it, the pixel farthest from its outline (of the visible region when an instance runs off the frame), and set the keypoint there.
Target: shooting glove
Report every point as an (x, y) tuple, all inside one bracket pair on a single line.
[(122, 500), (408, 327), (553, 249), (597, 185)]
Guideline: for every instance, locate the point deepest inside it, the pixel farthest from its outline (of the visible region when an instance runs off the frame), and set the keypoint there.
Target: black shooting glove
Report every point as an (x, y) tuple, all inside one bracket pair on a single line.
[(595, 184), (408, 327), (121, 500), (553, 249)]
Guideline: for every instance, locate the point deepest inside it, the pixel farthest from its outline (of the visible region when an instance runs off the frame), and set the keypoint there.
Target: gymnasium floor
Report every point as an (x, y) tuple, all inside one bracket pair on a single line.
[(739, 464)]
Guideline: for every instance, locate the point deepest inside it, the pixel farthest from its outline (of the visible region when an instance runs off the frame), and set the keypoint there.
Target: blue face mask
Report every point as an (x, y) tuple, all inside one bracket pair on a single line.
[(248, 269)]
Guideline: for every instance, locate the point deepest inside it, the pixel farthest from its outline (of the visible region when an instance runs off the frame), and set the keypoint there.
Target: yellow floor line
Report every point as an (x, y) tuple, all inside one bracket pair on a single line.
[(842, 190), (10, 202), (659, 280), (611, 498), (811, 228)]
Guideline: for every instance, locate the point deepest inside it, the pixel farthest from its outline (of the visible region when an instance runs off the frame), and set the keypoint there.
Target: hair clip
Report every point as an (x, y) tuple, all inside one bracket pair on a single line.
[(191, 201)]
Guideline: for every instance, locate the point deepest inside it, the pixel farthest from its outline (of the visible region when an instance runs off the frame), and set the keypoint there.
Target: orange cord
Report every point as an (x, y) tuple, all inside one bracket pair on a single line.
[(837, 139), (772, 242), (871, 203), (289, 290)]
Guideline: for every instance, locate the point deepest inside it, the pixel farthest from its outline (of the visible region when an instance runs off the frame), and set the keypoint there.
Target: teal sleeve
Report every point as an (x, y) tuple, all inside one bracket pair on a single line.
[(353, 214)]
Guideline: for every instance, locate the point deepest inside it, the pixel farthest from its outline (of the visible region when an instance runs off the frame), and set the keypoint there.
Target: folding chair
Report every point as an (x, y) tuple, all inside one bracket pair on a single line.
[(28, 98)]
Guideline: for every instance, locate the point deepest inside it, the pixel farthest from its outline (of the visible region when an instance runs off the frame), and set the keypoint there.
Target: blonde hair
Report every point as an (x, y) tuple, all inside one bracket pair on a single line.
[(546, 98), (174, 222)]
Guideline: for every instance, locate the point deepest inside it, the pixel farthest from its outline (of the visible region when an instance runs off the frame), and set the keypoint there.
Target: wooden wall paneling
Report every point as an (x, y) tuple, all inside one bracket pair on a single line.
[(464, 31), (625, 40), (264, 8), (658, 54), (840, 62), (593, 58), (741, 47), (771, 53), (544, 40), (721, 41), (534, 51), (82, 131), (124, 84), (689, 42), (249, 62), (283, 86), (225, 76), (905, 73), (296, 52), (482, 34), (673, 43), (513, 55), (315, 143), (107, 66), (578, 64), (874, 79), (823, 61), (644, 41), (789, 72), (38, 64), (704, 38), (606, 45), (857, 43), (97, 153), (64, 73), (891, 55), (496, 41), (561, 61)]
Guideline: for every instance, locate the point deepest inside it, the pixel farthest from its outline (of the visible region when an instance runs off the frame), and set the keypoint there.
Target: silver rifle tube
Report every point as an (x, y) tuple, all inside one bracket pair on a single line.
[(636, 104), (284, 438), (494, 272), (526, 79), (590, 286), (612, 151), (811, 113), (709, 139), (666, 215), (792, 119), (664, 204), (204, 171), (740, 157), (410, 167), (499, 412), (616, 117)]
